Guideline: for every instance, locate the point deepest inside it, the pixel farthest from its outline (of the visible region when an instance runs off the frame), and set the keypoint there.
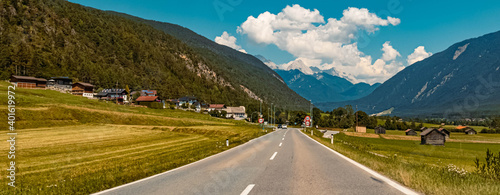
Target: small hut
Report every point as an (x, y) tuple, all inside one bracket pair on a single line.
[(360, 129), (410, 132), (446, 132), (379, 130), (470, 131), (433, 136)]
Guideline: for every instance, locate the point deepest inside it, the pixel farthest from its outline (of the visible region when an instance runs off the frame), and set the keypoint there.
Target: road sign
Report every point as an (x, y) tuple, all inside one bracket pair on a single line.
[(261, 120), (308, 123), (308, 118)]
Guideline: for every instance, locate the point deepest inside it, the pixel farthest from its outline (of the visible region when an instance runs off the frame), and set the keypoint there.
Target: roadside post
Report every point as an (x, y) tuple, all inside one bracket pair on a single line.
[(332, 138), (227, 142)]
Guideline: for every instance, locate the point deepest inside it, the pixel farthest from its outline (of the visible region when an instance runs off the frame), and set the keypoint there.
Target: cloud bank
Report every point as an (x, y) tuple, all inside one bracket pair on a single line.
[(327, 44)]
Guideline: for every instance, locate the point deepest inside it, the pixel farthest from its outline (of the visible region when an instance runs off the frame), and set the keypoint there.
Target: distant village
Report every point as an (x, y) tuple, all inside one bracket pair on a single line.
[(141, 98)]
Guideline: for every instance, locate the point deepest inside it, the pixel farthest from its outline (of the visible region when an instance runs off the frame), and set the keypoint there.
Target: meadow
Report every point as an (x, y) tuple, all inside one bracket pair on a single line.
[(73, 145), (428, 169)]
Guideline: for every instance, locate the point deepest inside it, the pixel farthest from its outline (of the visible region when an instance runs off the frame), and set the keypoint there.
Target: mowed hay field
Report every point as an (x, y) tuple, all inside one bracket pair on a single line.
[(71, 145), (429, 169)]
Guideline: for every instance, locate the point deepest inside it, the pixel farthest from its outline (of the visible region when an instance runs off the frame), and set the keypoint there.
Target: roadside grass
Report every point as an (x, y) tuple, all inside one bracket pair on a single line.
[(425, 168), (72, 145)]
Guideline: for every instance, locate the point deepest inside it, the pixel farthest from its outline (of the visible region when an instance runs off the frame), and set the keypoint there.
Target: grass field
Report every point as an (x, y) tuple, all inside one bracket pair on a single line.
[(428, 169), (71, 145)]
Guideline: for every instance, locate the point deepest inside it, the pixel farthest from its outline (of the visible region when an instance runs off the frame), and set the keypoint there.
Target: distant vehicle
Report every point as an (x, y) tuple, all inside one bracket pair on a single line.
[(279, 126), (283, 126)]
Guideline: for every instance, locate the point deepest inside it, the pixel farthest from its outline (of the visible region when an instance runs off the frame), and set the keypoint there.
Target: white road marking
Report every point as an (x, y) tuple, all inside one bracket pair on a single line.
[(190, 164), (398, 186), (283, 139), (281, 143), (248, 189), (274, 155)]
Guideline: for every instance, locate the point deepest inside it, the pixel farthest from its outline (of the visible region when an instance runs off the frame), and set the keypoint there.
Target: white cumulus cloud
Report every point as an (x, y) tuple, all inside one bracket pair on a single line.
[(389, 52), (418, 54), (328, 44), (228, 40)]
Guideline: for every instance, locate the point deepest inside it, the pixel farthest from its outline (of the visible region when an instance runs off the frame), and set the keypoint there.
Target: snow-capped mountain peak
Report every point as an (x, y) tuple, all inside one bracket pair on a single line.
[(298, 64)]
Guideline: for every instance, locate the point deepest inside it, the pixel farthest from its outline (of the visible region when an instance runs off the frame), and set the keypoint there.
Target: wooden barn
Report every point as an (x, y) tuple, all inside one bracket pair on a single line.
[(410, 132), (379, 130), (470, 131), (28, 82), (446, 132), (432, 136), (360, 129), (83, 89)]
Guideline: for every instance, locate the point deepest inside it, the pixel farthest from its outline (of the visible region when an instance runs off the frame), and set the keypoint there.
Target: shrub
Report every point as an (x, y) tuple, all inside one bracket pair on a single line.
[(491, 167)]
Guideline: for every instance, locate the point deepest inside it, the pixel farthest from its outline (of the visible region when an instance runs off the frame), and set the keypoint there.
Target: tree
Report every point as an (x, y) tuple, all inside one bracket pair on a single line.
[(128, 92), (193, 106), (185, 105)]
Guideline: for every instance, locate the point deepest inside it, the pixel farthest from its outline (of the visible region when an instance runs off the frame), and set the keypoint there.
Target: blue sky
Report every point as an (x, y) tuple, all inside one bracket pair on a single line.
[(432, 24)]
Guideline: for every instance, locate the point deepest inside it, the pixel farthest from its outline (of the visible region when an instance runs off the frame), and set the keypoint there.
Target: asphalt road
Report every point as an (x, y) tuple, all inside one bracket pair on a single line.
[(283, 162)]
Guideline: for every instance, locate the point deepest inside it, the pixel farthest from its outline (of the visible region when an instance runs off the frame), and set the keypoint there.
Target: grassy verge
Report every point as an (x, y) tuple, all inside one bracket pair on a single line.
[(71, 145), (427, 169)]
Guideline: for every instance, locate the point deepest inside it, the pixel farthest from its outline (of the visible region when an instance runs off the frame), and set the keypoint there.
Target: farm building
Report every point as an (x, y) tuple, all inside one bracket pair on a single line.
[(470, 131), (379, 130), (28, 82), (360, 129), (446, 132), (432, 136), (410, 132), (83, 89), (62, 84), (237, 113)]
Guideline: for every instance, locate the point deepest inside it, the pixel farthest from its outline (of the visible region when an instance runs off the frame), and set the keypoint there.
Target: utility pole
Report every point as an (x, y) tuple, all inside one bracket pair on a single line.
[(272, 115), (356, 118), (311, 113), (116, 92)]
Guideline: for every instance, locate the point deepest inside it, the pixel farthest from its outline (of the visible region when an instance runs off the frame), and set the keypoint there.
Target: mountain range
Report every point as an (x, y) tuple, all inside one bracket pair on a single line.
[(319, 85), (459, 82)]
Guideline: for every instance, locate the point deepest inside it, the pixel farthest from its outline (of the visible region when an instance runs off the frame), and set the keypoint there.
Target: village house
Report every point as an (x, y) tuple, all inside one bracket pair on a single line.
[(147, 92), (470, 131), (379, 130), (212, 107), (237, 113), (28, 82), (118, 95), (62, 84), (410, 132), (432, 136), (146, 100), (83, 89), (189, 100)]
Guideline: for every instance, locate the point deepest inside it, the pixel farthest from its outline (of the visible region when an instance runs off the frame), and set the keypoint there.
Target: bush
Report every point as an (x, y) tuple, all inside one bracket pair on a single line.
[(491, 166)]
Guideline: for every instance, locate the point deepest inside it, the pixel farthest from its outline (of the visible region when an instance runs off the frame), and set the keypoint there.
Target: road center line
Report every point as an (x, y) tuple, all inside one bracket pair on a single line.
[(248, 189), (281, 143), (274, 155)]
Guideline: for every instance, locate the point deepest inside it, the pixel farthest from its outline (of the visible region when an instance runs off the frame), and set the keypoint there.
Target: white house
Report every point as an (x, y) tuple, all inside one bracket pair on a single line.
[(237, 113)]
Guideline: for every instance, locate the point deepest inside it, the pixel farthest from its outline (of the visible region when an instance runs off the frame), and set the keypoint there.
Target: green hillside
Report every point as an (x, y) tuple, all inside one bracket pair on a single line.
[(73, 145), (59, 38)]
